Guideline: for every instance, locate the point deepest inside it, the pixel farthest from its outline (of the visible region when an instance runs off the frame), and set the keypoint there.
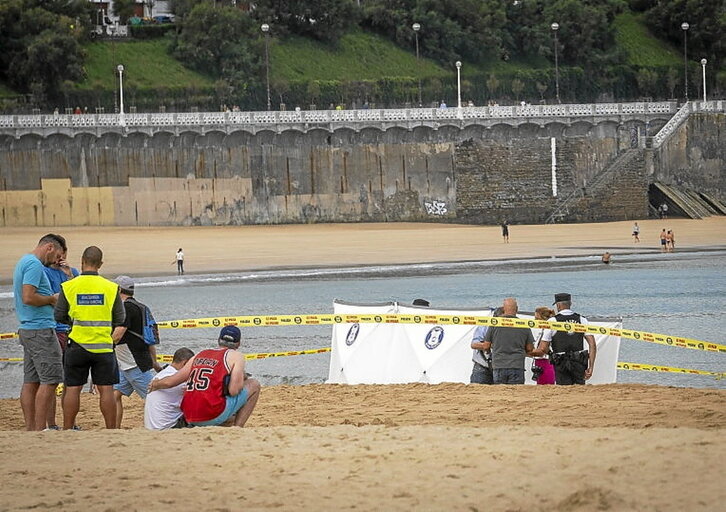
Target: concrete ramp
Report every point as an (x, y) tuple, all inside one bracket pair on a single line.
[(682, 202), (718, 206)]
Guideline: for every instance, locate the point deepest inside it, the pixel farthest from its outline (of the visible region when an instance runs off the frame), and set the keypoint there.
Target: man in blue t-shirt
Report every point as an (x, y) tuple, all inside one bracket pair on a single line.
[(34, 301), (59, 272)]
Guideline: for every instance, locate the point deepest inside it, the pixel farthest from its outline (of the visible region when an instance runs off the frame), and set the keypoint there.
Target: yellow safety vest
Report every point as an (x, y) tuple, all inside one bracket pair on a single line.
[(90, 299)]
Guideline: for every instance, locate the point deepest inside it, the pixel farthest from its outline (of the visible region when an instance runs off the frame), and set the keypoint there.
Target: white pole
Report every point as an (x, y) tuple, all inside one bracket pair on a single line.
[(120, 68), (703, 64), (458, 87), (553, 150)]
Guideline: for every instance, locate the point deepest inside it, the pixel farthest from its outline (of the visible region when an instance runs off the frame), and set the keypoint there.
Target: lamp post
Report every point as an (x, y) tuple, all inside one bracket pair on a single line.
[(458, 88), (416, 27), (685, 26), (703, 65), (266, 30), (120, 69), (555, 27)]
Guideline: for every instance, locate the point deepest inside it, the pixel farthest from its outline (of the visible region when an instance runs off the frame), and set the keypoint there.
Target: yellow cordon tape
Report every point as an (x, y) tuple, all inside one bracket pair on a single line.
[(667, 369), (288, 320)]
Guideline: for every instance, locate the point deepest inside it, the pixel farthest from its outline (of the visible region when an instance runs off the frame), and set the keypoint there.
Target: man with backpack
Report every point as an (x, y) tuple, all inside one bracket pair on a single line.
[(135, 348)]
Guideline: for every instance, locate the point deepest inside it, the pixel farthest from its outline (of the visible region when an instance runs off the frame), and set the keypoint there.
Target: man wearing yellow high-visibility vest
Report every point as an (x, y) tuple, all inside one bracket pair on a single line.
[(93, 307)]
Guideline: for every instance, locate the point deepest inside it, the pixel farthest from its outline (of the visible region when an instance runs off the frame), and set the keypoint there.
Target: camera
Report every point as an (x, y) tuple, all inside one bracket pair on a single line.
[(536, 371)]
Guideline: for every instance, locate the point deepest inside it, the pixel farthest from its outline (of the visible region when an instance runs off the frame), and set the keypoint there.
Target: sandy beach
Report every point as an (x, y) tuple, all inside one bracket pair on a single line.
[(404, 447), (151, 250), (400, 447)]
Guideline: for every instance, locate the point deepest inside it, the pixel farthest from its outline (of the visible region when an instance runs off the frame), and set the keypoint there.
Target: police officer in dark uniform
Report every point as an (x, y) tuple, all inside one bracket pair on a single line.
[(573, 364)]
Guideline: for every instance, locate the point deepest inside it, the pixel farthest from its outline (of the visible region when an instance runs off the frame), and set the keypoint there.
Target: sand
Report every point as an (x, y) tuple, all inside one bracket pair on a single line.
[(404, 447), (152, 250)]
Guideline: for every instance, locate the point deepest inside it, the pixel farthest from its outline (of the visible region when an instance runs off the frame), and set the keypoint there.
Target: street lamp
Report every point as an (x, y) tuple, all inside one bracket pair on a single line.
[(703, 65), (120, 69), (458, 87), (685, 26), (416, 27), (266, 30), (555, 27)]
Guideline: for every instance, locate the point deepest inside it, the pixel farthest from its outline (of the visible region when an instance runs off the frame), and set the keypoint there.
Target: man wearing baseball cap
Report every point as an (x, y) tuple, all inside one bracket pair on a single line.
[(217, 388), (573, 364)]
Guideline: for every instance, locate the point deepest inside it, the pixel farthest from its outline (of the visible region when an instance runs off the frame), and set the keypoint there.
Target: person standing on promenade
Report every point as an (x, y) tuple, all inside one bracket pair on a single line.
[(217, 387), (134, 356), (573, 365), (509, 346), (42, 359), (663, 241), (481, 373), (93, 307), (636, 233), (664, 211), (162, 409), (505, 231), (179, 262), (59, 272)]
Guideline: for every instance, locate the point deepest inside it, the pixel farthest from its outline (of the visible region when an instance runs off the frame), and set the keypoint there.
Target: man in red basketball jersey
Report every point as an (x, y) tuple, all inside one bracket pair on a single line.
[(217, 388)]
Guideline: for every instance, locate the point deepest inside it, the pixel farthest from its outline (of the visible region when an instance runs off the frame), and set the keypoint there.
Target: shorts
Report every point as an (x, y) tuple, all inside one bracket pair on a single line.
[(133, 380), (662, 241), (62, 339), (42, 357), (234, 404), (77, 361)]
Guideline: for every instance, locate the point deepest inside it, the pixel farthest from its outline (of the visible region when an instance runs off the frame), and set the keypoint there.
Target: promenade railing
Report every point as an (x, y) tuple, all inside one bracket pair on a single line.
[(343, 117)]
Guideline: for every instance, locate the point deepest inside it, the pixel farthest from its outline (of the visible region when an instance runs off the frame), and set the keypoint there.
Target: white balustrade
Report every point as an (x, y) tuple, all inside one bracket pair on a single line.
[(354, 117)]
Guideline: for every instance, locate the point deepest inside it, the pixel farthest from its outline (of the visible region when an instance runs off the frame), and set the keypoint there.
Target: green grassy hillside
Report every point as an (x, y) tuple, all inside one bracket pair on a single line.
[(358, 56), (6, 92), (641, 46), (147, 65)]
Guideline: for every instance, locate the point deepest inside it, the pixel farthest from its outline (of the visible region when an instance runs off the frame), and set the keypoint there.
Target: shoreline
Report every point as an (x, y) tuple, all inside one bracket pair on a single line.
[(237, 249)]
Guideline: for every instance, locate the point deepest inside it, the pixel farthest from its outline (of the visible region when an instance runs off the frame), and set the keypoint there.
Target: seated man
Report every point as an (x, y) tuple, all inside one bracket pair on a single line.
[(162, 409), (217, 389)]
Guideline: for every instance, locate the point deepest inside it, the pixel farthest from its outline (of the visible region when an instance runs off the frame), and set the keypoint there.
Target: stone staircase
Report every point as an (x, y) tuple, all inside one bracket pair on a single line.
[(563, 208)]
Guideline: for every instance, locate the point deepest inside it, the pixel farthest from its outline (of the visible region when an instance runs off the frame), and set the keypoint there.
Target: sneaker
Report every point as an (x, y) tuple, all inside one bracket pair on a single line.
[(75, 427), (52, 427)]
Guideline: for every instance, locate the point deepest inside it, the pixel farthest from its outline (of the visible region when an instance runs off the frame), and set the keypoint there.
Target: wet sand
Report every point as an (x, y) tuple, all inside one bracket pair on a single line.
[(403, 447), (152, 250)]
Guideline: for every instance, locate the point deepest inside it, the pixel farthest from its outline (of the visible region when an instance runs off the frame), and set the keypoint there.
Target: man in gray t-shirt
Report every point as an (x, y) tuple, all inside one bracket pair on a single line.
[(509, 346)]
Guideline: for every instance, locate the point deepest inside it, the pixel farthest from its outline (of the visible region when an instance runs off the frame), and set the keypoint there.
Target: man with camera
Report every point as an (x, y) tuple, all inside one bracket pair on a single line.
[(573, 364)]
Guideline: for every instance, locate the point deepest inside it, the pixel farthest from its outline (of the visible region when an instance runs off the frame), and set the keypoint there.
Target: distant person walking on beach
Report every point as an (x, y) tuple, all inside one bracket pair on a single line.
[(481, 373), (93, 306), (663, 241), (42, 359), (606, 258), (162, 408), (179, 262), (573, 364), (509, 346), (636, 233), (670, 241), (217, 387), (505, 231)]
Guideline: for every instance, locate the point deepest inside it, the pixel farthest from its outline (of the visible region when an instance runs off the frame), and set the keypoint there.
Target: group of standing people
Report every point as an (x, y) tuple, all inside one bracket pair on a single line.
[(559, 357), (73, 324), (667, 240)]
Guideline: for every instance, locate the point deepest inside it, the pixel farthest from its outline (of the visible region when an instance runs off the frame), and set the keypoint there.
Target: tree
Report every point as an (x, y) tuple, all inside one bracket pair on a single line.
[(647, 79), (124, 9), (326, 20), (541, 89), (223, 42), (672, 81)]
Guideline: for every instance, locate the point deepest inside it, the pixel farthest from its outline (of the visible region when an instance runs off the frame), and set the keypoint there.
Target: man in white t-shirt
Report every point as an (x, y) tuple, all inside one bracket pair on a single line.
[(162, 409)]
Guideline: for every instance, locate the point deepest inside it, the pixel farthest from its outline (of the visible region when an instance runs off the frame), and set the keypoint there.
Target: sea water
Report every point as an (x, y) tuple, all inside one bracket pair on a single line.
[(681, 294)]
